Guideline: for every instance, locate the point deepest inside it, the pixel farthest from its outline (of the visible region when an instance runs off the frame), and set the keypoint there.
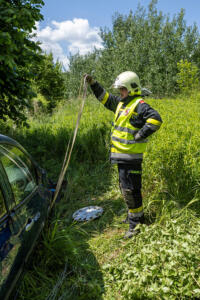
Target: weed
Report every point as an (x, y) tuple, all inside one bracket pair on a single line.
[(91, 260)]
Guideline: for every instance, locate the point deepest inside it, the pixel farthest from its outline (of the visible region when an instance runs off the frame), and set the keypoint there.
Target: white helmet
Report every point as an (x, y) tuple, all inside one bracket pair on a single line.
[(129, 80)]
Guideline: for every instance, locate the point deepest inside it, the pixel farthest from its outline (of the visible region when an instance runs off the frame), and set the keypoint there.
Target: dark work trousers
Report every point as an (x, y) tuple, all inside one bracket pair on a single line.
[(130, 182)]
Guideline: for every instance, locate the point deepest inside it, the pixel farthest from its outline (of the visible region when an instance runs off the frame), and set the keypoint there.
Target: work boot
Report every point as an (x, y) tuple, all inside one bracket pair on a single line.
[(130, 233), (125, 221), (133, 222)]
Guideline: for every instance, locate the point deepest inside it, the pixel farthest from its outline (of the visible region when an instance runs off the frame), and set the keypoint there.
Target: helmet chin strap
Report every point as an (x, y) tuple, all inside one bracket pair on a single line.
[(134, 93)]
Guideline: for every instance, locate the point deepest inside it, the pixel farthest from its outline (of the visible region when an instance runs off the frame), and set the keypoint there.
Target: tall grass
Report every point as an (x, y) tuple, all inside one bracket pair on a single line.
[(91, 260), (172, 161), (48, 135)]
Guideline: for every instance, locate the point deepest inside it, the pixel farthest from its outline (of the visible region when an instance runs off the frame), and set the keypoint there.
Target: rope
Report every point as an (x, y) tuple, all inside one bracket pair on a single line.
[(64, 274), (56, 288), (68, 156)]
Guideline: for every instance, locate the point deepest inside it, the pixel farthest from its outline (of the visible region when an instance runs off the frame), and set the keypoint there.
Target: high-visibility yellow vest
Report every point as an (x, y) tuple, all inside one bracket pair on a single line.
[(123, 145)]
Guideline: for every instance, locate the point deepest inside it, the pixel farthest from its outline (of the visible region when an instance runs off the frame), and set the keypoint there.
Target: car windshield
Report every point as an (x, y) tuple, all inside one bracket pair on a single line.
[(16, 165)]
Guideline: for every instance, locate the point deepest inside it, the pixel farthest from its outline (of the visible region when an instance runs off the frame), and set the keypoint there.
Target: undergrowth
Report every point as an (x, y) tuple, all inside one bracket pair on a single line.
[(92, 260)]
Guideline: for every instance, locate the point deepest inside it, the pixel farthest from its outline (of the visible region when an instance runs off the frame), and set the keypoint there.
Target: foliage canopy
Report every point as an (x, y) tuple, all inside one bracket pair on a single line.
[(147, 42), (49, 80), (187, 77), (17, 52)]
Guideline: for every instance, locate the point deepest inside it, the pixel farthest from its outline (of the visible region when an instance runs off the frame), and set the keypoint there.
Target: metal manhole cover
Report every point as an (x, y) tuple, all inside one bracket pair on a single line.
[(88, 213)]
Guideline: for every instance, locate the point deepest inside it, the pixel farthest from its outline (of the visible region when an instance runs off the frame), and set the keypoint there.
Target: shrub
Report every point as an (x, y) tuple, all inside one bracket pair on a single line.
[(187, 77)]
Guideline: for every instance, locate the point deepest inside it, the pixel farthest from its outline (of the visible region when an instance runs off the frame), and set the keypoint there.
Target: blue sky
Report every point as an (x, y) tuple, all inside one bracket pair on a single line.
[(73, 26)]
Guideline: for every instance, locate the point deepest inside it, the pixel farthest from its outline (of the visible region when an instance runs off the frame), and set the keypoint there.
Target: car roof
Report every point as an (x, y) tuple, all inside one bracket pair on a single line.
[(7, 140)]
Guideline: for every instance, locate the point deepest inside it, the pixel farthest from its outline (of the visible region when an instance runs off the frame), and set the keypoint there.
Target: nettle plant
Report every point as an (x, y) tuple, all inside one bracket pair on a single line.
[(187, 77)]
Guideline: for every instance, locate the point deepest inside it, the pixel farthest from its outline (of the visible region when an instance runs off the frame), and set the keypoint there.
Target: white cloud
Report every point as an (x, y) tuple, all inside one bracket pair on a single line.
[(57, 51), (77, 35)]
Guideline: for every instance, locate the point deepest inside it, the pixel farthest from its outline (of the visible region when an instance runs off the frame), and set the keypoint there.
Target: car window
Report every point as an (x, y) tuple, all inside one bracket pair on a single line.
[(2, 205), (19, 155), (16, 163)]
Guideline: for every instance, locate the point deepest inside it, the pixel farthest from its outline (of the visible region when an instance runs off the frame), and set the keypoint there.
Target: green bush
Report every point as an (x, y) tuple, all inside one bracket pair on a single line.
[(187, 77)]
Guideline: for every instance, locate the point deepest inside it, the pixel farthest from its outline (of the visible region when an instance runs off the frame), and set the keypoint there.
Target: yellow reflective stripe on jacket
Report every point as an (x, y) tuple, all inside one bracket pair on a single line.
[(154, 122), (135, 94), (135, 113), (118, 109), (125, 129), (131, 106), (136, 210), (105, 98)]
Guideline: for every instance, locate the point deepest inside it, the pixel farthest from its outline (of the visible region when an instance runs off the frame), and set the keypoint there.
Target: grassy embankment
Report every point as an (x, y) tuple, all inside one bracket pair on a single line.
[(163, 261)]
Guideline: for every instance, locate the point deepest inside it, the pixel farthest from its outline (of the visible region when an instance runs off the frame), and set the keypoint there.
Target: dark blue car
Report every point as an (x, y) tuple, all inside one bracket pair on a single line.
[(25, 201)]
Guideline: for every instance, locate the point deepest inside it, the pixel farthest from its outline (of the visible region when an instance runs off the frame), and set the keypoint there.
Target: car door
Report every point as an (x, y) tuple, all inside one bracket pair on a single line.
[(9, 241), (27, 210)]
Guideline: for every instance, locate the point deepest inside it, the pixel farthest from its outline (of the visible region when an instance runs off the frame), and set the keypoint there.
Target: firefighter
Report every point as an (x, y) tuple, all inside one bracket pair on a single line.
[(133, 122)]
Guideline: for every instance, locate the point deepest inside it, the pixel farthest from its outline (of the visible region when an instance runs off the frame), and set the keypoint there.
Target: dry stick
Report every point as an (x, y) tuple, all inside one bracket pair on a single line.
[(65, 166)]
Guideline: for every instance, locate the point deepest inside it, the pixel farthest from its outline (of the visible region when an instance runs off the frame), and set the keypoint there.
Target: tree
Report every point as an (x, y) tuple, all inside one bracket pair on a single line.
[(187, 77), (151, 44), (17, 53), (49, 80), (78, 66), (147, 42)]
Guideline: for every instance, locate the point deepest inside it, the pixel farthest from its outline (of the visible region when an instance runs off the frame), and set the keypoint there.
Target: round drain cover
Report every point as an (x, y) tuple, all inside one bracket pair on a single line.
[(88, 213)]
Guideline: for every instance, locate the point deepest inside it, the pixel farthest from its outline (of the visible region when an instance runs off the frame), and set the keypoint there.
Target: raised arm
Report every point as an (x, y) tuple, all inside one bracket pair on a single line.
[(108, 100)]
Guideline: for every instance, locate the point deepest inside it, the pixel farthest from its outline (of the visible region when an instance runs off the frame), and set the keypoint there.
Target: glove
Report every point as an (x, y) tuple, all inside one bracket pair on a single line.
[(138, 137), (145, 92), (89, 79)]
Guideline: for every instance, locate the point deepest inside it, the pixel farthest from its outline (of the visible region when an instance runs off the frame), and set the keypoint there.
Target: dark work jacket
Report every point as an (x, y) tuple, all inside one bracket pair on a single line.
[(145, 112)]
